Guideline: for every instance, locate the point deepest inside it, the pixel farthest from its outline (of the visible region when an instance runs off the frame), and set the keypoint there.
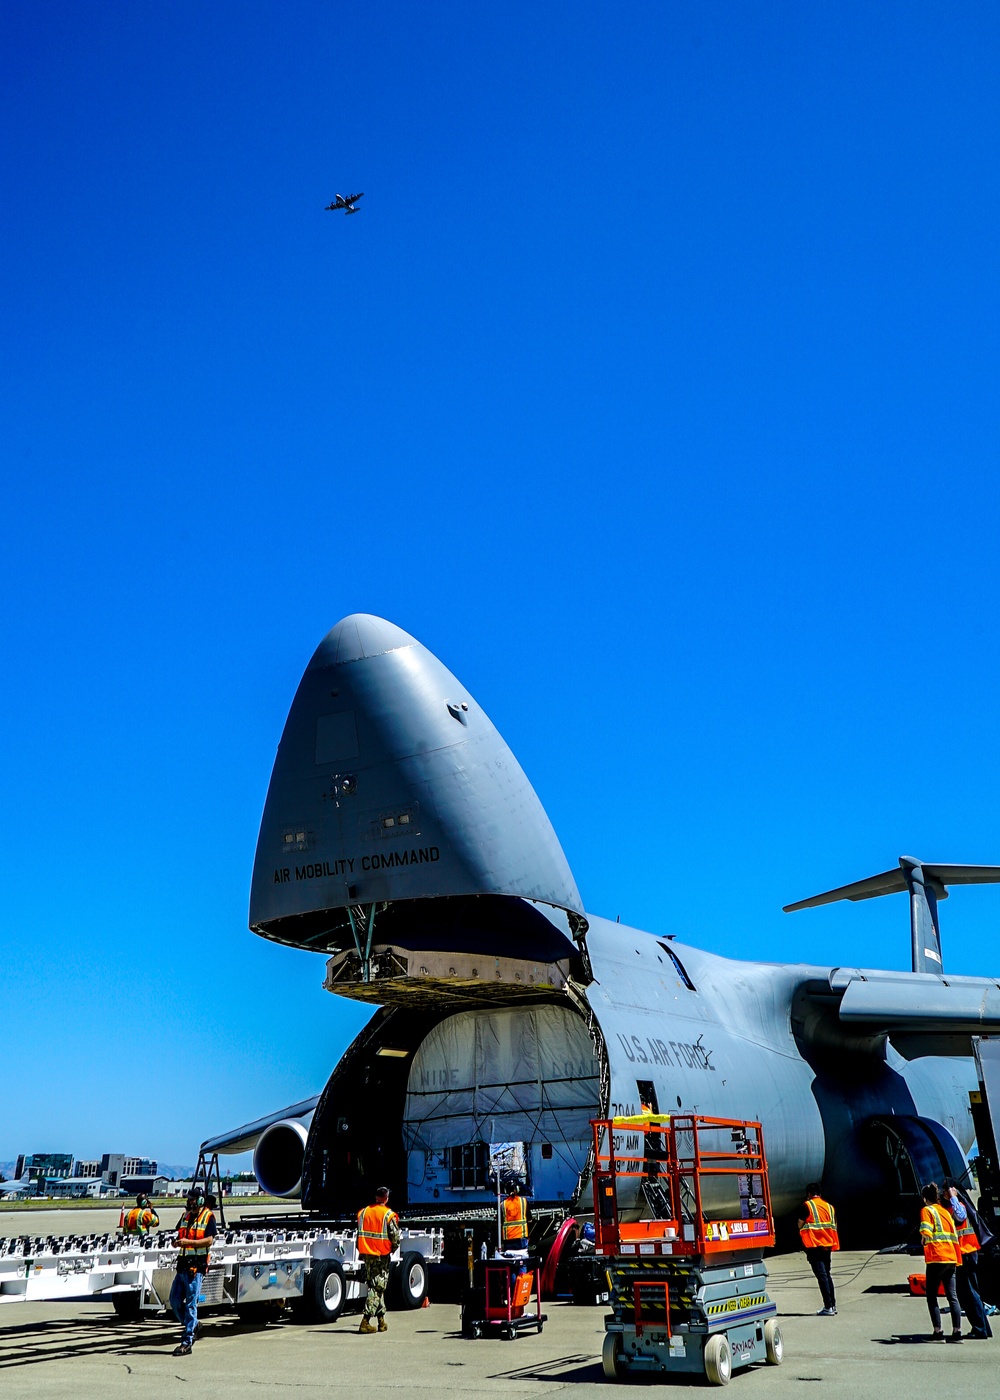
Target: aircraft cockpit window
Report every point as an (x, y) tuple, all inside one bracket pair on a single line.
[(678, 966)]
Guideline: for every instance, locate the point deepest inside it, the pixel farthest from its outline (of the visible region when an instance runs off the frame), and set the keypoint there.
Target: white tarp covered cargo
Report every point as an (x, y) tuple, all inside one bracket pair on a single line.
[(527, 1074)]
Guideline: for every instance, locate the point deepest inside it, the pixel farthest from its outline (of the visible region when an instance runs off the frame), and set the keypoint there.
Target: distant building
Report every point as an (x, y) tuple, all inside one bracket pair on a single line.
[(115, 1165), (146, 1185), (86, 1169), (77, 1187), (43, 1168)]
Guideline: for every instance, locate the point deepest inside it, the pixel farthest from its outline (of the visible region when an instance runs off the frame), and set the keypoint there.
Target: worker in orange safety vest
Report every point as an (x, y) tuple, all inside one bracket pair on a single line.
[(196, 1231), (942, 1257), (378, 1236), (140, 1219), (515, 1219), (967, 1275), (818, 1232)]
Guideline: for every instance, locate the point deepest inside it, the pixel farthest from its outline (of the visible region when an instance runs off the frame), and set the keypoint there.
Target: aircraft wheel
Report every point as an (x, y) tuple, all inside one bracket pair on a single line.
[(773, 1344), (611, 1357), (324, 1294), (718, 1359)]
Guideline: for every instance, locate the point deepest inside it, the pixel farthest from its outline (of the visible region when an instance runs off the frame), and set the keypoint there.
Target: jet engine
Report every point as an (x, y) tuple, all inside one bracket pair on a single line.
[(278, 1157)]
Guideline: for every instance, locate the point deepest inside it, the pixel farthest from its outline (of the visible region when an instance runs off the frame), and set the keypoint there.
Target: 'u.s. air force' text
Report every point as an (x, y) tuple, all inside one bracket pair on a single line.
[(327, 869), (685, 1054)]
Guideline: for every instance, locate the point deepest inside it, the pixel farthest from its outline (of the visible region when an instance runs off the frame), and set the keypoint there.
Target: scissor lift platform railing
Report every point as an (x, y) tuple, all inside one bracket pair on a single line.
[(689, 1285)]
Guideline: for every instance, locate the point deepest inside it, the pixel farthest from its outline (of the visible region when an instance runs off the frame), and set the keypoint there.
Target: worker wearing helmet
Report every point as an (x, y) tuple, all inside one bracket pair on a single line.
[(196, 1232), (378, 1236), (140, 1219)]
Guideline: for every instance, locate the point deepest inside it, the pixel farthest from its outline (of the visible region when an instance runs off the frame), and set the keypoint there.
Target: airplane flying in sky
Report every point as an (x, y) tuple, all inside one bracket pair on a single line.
[(401, 838), (348, 202)]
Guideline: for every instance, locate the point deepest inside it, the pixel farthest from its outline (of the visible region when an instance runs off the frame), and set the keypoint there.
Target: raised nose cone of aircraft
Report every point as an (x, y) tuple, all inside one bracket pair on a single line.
[(391, 788), (360, 636)]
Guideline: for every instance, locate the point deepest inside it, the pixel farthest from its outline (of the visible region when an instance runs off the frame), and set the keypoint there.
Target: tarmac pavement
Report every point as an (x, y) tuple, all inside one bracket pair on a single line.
[(878, 1345)]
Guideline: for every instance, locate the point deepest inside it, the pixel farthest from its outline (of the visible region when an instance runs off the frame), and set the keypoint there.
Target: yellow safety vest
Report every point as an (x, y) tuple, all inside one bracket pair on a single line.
[(515, 1218), (138, 1221), (191, 1236), (939, 1236), (968, 1241)]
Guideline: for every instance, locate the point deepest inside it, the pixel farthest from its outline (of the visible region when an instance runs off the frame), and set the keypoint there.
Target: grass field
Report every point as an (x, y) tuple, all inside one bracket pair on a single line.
[(164, 1202)]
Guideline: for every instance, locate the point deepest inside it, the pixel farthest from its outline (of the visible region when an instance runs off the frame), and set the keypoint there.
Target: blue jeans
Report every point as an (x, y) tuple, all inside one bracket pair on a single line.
[(184, 1302), (967, 1288), (819, 1262)]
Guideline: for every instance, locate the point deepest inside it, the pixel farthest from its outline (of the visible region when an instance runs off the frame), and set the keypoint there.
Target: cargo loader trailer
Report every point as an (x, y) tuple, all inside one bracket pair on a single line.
[(256, 1272)]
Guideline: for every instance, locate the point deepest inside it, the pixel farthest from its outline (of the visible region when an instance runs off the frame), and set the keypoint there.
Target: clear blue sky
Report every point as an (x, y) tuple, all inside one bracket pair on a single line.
[(654, 388)]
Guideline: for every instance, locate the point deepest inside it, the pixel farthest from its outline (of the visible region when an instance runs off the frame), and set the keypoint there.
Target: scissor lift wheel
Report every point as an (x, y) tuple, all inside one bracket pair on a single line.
[(773, 1344), (611, 1356), (718, 1359)]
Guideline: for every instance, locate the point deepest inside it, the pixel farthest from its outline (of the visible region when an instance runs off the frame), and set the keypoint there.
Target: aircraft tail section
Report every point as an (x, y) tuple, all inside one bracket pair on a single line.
[(926, 886)]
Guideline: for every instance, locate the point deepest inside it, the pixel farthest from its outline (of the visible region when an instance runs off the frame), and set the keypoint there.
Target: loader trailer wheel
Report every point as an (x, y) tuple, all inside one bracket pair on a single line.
[(128, 1306), (408, 1282), (325, 1293)]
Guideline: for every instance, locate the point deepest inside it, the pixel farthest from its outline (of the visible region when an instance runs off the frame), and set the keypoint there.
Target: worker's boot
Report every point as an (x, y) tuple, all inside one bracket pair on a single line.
[(366, 1325), (383, 1326)]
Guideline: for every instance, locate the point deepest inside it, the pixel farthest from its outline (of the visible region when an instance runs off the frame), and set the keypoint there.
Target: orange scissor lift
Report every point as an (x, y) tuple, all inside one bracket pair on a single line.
[(688, 1282)]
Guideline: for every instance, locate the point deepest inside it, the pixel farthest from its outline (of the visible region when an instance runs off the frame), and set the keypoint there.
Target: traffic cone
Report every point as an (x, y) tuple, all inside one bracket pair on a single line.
[(426, 1303)]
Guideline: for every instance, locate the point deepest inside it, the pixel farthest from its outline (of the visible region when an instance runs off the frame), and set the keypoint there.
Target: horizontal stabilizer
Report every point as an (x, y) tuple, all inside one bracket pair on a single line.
[(926, 885), (894, 882)]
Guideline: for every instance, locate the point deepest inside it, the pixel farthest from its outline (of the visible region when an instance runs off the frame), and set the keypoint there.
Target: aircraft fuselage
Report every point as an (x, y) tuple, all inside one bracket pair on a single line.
[(401, 838)]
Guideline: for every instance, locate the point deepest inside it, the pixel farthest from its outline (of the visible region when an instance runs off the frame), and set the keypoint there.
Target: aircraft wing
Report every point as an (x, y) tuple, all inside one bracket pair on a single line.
[(352, 197), (244, 1138), (924, 1004), (922, 1013)]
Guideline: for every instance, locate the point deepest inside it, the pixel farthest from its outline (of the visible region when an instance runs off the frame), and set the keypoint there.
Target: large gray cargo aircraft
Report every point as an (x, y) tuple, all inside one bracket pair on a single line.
[(401, 838)]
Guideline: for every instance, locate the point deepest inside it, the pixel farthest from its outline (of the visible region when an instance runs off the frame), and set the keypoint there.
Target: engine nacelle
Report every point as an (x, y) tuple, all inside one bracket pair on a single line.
[(278, 1157)]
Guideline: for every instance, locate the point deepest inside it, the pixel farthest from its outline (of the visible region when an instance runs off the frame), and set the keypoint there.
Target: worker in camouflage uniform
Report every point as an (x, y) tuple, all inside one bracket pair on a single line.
[(378, 1236)]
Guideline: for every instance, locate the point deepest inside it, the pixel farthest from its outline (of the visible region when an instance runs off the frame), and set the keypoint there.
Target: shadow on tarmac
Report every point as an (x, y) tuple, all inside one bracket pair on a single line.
[(913, 1339), (53, 1340), (587, 1370), (35, 1342), (584, 1368)]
